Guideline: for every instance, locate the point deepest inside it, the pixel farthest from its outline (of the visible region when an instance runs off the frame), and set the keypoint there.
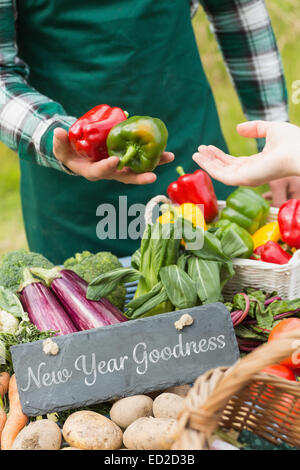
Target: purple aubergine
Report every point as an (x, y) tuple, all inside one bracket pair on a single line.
[(44, 310), (103, 306), (70, 290), (84, 315)]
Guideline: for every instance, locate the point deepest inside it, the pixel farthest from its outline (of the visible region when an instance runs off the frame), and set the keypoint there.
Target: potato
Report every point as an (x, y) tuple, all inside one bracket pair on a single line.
[(39, 435), (167, 405), (91, 431), (150, 434), (127, 410), (181, 390)]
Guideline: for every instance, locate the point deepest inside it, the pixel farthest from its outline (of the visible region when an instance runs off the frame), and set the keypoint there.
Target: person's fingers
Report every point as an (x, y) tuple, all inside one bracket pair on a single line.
[(294, 187), (107, 169), (210, 153), (279, 189), (217, 169), (255, 129), (61, 144), (224, 157), (166, 157), (60, 133), (207, 159), (103, 169), (129, 177), (267, 195)]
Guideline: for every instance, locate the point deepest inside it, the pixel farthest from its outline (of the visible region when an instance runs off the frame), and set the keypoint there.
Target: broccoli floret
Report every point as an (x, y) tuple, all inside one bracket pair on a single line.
[(77, 258), (12, 265), (91, 266)]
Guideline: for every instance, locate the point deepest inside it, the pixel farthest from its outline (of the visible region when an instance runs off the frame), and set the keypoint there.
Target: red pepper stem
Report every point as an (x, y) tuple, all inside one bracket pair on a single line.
[(180, 170), (130, 153)]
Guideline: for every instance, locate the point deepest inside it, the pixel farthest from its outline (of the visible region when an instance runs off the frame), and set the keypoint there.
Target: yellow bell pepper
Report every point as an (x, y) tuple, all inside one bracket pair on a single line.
[(269, 232), (188, 211)]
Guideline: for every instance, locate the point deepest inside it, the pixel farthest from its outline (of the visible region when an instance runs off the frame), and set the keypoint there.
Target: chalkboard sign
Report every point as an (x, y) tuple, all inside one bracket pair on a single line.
[(129, 358)]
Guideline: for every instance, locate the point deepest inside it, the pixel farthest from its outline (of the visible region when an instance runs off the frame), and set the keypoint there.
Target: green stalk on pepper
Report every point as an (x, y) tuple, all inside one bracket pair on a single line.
[(139, 143)]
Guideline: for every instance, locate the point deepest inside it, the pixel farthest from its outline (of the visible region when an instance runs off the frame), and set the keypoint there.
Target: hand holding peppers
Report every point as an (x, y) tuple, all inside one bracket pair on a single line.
[(84, 151), (105, 169)]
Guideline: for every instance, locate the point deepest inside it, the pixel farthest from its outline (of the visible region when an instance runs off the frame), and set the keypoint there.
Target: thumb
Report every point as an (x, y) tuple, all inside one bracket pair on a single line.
[(61, 144), (255, 129)]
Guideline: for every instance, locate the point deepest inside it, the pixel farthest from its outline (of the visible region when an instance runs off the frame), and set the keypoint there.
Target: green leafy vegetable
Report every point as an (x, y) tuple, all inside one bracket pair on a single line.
[(104, 284), (264, 313), (142, 299), (26, 333), (180, 288), (136, 259), (10, 303), (242, 331), (206, 275), (159, 248), (151, 301)]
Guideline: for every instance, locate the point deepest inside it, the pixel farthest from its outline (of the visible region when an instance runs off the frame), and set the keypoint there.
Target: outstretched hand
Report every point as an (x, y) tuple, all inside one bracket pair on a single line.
[(105, 169), (280, 158)]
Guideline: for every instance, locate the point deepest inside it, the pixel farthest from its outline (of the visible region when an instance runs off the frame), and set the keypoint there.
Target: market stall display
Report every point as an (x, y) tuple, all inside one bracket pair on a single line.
[(205, 283)]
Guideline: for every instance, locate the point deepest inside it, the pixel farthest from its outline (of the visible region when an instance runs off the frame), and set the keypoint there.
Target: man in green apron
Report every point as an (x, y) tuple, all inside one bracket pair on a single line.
[(139, 55)]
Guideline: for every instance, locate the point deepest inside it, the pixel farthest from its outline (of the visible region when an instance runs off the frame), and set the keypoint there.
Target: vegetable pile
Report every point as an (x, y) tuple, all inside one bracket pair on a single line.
[(184, 260), (48, 301), (254, 314), (170, 275)]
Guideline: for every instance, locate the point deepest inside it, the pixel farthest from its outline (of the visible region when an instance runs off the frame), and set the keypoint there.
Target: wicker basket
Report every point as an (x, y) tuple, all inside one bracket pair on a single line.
[(284, 279), (241, 397)]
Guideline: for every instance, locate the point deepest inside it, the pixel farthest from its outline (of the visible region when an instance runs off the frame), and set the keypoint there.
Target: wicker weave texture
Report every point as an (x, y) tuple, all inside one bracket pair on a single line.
[(242, 397)]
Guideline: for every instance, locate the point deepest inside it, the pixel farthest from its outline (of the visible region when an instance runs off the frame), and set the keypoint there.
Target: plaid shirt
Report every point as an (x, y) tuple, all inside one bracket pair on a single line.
[(242, 28)]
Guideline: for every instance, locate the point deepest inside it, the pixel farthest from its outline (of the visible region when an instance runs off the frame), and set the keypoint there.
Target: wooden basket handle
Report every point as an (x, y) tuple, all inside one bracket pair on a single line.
[(211, 392), (151, 204), (244, 370)]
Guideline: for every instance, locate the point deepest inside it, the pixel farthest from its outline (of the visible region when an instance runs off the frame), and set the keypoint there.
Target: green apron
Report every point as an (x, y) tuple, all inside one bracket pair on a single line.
[(139, 55)]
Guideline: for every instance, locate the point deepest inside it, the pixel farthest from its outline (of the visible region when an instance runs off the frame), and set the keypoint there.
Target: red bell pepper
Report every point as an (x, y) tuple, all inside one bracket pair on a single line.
[(257, 252), (196, 188), (88, 134), (289, 222), (273, 253)]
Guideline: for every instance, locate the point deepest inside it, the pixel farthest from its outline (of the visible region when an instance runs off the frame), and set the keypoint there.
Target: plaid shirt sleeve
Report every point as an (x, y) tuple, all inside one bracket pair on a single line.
[(245, 35), (27, 118)]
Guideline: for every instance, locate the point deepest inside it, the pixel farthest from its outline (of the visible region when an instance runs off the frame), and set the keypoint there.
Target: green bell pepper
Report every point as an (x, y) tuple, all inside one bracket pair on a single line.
[(138, 142), (246, 208), (235, 240)]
